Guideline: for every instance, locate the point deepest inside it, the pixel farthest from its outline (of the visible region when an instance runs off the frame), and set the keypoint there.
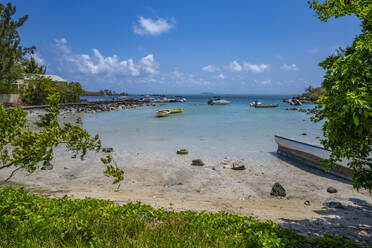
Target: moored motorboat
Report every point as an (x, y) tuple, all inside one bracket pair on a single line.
[(258, 104), (180, 99), (255, 103), (218, 101), (163, 113), (266, 106), (310, 155)]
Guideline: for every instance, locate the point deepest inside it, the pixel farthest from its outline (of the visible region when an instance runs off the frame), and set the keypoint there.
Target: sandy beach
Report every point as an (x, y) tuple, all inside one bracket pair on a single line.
[(171, 182)]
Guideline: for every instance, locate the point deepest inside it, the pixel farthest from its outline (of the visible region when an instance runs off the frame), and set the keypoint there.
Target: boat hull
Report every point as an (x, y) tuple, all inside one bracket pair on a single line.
[(310, 155), (163, 113), (218, 102), (174, 111), (266, 106)]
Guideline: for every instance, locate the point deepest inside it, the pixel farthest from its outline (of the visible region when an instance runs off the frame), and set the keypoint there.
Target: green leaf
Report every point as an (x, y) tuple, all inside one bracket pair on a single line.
[(356, 119)]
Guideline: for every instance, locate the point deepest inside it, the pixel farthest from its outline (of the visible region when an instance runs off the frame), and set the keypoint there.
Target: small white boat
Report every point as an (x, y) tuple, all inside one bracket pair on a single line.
[(147, 99), (311, 155), (258, 104), (163, 113), (180, 99), (266, 105), (218, 101), (255, 103)]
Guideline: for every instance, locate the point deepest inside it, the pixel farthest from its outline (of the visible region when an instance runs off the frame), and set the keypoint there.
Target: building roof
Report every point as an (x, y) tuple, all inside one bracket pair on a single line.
[(54, 78)]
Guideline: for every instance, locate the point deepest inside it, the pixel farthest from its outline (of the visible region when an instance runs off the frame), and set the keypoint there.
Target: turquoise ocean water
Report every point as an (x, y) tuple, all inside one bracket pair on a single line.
[(234, 130)]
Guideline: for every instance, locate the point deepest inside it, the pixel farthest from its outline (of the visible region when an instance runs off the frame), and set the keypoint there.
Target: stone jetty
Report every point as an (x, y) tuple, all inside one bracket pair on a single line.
[(93, 106)]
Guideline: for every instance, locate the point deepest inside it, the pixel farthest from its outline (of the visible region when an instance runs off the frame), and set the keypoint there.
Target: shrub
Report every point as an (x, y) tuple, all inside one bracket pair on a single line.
[(35, 221), (35, 92)]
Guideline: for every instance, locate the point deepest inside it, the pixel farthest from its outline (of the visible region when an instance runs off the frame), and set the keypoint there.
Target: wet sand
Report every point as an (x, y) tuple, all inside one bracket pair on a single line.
[(172, 183)]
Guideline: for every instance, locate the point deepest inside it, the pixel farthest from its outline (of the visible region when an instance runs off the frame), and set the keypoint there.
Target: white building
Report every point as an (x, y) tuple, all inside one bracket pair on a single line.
[(16, 98)]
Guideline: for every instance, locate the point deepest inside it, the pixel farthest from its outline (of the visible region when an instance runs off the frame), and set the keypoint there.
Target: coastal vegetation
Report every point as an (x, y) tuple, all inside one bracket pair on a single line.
[(28, 146), (17, 64), (35, 221), (12, 54), (30, 66), (33, 147), (104, 92), (312, 93), (36, 91), (346, 108)]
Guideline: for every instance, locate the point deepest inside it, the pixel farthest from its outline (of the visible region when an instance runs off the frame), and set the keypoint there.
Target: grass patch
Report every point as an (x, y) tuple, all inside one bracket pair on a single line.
[(35, 221), (4, 184)]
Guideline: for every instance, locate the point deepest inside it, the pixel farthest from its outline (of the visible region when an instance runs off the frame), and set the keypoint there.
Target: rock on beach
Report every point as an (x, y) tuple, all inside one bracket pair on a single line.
[(278, 190)]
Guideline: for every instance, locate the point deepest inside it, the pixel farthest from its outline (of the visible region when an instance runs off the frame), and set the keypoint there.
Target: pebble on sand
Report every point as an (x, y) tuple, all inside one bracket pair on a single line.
[(197, 162), (182, 152)]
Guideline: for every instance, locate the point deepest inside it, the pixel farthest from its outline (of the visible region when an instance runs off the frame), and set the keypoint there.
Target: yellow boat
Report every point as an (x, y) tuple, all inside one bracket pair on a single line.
[(177, 110)]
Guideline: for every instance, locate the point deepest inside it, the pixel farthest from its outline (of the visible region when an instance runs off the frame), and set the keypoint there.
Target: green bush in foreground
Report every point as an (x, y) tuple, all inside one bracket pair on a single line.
[(35, 221)]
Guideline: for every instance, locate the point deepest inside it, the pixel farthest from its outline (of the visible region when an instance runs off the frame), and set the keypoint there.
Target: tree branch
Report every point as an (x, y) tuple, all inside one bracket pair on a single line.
[(7, 165), (12, 174)]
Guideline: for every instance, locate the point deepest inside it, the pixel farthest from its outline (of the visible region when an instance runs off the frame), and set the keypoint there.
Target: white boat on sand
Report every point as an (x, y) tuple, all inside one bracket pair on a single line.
[(310, 155)]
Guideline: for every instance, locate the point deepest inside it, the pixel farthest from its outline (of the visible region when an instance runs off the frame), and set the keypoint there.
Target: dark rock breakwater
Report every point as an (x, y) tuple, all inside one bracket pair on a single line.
[(307, 111)]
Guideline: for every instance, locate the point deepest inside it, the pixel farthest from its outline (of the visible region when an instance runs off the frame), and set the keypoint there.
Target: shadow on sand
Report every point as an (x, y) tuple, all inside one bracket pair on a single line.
[(352, 221), (309, 169)]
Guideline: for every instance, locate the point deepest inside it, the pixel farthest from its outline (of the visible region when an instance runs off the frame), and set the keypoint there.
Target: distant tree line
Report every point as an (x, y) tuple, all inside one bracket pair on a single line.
[(105, 92)]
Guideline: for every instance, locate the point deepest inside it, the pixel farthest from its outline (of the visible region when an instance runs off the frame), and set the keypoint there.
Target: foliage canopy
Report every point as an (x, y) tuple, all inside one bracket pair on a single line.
[(25, 148), (35, 91), (313, 94), (30, 66), (11, 52), (346, 108)]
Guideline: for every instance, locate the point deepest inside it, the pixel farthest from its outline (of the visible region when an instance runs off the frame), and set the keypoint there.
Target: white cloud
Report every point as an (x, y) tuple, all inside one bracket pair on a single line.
[(109, 66), (210, 68), (148, 26), (61, 44), (61, 41), (255, 67), (38, 58), (221, 76), (149, 65), (292, 67), (235, 66)]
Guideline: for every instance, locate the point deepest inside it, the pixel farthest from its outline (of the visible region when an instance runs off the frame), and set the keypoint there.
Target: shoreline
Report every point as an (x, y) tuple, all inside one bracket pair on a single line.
[(172, 183)]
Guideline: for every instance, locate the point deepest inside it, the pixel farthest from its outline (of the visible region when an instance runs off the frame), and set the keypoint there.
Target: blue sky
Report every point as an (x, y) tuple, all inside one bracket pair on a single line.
[(271, 46)]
